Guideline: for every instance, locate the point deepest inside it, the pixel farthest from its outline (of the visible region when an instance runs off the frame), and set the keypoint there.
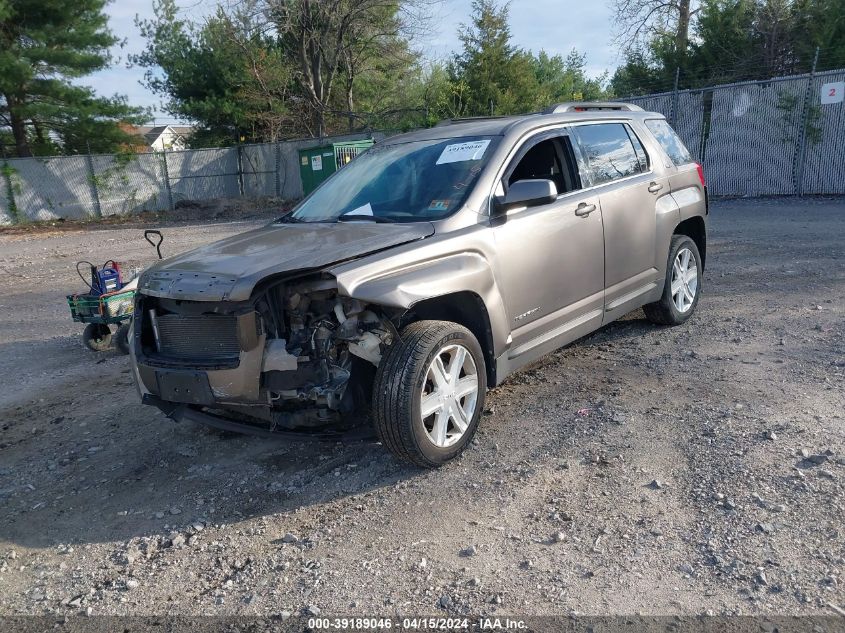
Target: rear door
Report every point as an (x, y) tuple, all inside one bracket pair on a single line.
[(630, 191)]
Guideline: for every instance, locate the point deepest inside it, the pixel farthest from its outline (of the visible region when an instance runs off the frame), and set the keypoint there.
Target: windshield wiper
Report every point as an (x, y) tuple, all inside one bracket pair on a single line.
[(351, 217)]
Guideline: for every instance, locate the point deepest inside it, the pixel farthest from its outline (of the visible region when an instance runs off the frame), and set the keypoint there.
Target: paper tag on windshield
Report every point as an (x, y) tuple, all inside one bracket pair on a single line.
[(462, 151), (364, 210)]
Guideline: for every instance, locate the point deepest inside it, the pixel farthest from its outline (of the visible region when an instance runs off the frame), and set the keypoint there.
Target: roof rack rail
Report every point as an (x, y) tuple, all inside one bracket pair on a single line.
[(585, 106), (469, 119)]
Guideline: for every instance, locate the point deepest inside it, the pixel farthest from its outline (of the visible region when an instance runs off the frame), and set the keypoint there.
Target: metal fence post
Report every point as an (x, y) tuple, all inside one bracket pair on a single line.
[(92, 179), (674, 116), (278, 157), (167, 181), (802, 136), (240, 170)]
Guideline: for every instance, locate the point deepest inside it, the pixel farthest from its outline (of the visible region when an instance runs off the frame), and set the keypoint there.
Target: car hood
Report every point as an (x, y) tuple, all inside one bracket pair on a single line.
[(228, 270)]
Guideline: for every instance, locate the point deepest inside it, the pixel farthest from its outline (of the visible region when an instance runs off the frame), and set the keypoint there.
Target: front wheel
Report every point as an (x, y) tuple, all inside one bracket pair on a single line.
[(121, 338), (682, 287), (429, 392)]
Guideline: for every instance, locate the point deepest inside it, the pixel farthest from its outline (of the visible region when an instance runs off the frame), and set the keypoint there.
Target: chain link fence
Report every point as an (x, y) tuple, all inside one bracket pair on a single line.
[(81, 187), (756, 138), (762, 138)]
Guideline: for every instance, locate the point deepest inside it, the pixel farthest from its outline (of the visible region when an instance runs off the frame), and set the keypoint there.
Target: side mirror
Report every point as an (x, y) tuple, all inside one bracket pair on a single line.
[(526, 193)]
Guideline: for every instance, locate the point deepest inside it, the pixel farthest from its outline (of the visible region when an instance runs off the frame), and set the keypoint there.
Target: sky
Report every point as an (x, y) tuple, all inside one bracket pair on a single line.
[(556, 26)]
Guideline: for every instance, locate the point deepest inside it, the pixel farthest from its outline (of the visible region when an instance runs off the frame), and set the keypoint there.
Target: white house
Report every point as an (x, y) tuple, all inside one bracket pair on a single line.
[(165, 138)]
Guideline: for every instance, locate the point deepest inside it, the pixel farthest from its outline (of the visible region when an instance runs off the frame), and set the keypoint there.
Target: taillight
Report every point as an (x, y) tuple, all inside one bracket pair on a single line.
[(700, 174)]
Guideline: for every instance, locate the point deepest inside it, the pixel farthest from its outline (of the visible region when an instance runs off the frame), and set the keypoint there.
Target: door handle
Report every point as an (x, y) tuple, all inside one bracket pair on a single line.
[(584, 209), (654, 187)]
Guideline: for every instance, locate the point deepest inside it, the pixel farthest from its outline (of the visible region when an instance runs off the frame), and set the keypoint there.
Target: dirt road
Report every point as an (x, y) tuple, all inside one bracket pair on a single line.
[(641, 470)]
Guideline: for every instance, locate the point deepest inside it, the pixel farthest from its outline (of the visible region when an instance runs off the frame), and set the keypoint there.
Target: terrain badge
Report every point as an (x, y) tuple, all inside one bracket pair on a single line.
[(525, 315)]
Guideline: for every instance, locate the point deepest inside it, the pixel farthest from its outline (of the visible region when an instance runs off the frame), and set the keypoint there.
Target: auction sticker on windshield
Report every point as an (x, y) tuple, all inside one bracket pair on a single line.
[(460, 152), (438, 205)]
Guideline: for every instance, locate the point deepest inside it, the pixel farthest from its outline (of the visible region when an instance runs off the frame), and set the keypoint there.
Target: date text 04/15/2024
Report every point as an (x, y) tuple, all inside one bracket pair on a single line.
[(418, 624)]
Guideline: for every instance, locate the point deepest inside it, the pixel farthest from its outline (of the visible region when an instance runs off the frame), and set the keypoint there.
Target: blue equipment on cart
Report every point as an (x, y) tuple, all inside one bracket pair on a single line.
[(108, 301), (106, 279)]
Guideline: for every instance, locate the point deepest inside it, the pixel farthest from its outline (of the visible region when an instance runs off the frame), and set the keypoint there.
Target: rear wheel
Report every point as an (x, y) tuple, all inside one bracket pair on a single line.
[(97, 336), (683, 284), (429, 393)]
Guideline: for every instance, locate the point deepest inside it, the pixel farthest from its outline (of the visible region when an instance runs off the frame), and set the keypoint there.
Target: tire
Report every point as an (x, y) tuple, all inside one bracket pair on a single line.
[(674, 309), (407, 373), (121, 338), (97, 336)]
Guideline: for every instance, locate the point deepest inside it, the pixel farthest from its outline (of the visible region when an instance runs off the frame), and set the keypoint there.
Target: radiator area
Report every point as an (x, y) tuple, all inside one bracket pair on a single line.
[(200, 337)]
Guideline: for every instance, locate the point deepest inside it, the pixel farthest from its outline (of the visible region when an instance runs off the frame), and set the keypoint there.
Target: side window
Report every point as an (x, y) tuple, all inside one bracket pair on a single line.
[(550, 159), (669, 141), (609, 151), (639, 149)]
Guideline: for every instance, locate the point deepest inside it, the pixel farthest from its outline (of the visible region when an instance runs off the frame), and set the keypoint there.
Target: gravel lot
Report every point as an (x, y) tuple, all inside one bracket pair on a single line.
[(641, 470)]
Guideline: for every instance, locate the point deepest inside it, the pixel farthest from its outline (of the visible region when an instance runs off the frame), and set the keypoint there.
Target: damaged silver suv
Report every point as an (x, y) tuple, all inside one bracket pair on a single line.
[(430, 268)]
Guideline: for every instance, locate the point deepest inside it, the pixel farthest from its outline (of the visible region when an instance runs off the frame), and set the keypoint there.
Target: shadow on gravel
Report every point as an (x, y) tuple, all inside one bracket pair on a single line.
[(98, 476), (85, 463)]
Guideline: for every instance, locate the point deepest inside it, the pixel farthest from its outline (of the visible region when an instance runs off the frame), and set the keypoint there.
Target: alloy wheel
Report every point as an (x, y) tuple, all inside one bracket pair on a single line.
[(449, 395), (684, 280)]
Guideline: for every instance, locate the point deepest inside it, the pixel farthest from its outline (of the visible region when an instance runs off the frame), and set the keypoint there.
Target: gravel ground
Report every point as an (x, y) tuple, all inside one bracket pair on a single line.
[(641, 470)]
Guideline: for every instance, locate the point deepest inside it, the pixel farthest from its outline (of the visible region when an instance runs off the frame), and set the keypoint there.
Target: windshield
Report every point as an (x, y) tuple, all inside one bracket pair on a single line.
[(404, 182)]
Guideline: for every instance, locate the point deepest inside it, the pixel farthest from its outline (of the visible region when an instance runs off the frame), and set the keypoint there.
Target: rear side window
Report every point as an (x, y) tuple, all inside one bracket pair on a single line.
[(638, 147), (610, 152), (669, 141)]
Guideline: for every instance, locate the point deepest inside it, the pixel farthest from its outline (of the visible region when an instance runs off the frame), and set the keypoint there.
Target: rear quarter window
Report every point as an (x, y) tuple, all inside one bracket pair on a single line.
[(669, 141)]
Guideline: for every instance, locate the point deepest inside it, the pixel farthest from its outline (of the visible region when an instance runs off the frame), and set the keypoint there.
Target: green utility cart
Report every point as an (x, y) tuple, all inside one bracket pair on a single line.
[(318, 163)]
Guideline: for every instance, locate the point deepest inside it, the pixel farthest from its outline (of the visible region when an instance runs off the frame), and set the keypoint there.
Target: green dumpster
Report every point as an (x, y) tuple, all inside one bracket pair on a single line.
[(318, 163)]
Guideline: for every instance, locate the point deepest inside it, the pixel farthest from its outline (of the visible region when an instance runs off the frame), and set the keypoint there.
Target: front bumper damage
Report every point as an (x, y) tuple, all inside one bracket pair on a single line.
[(291, 360), (185, 413)]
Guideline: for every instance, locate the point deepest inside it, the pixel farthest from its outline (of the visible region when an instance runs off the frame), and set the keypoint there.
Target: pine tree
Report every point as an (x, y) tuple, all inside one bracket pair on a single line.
[(44, 45), (499, 77)]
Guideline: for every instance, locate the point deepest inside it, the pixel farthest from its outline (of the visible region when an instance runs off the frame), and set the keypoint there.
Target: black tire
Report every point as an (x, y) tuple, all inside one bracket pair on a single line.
[(97, 336), (399, 383), (664, 311), (121, 338)]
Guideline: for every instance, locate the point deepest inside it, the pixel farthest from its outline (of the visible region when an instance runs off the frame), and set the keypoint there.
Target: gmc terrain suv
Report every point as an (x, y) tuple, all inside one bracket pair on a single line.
[(428, 269)]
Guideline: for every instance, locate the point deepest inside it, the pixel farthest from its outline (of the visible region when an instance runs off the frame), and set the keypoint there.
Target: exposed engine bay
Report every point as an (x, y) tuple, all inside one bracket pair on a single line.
[(295, 356)]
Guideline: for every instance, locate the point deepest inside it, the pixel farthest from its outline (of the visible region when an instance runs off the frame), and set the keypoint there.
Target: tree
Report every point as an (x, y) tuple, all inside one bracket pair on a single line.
[(728, 43), (342, 39), (637, 76), (270, 69), (225, 75), (44, 45), (736, 40), (498, 77), (820, 23), (565, 79), (640, 22)]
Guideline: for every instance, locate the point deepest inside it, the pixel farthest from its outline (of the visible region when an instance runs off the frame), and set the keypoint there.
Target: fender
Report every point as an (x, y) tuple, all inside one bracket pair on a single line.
[(395, 282)]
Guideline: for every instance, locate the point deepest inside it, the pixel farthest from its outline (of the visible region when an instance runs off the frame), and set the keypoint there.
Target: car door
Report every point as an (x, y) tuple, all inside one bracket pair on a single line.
[(630, 192), (550, 259)]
